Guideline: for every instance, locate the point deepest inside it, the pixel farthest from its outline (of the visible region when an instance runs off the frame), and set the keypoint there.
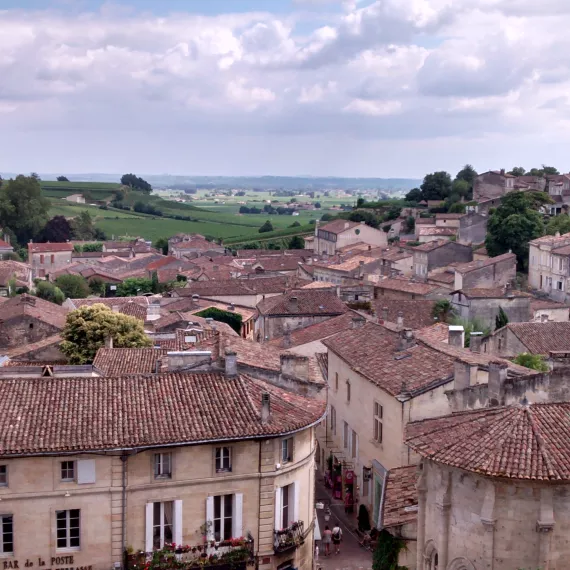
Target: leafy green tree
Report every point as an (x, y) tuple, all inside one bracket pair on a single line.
[(162, 245), (57, 230), (296, 242), (512, 225), (92, 247), (266, 227), (317, 204), (73, 286), (470, 326), (360, 202), (87, 328), (62, 179), (501, 320), (414, 195), (136, 183), (387, 552), (294, 225), (461, 188), (410, 224), (436, 186), (97, 286), (464, 181), (517, 171), (23, 208), (132, 286), (365, 216), (155, 285), (558, 224), (82, 225), (49, 292), (443, 310), (457, 208), (35, 176), (543, 171), (532, 361), (228, 317)]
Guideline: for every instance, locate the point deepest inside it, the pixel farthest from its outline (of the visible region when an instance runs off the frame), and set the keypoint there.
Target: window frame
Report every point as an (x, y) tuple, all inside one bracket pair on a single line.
[(65, 469), (286, 505), (377, 419), (223, 519), (3, 520), (336, 381), (68, 528), (348, 388), (345, 434), (287, 445), (161, 524), (333, 420), (4, 475), (159, 465), (220, 458)]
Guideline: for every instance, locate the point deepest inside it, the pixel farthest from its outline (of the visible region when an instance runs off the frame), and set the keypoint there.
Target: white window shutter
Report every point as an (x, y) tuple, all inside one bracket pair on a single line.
[(210, 517), (85, 471), (237, 523), (278, 507), (295, 501), (148, 529), (177, 536)]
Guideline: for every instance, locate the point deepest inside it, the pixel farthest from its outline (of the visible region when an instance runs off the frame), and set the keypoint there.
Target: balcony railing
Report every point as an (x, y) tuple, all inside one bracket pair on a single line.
[(289, 538), (234, 554)]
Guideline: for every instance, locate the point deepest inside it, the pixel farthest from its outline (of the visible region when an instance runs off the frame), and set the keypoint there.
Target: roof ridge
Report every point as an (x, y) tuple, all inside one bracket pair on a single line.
[(541, 444)]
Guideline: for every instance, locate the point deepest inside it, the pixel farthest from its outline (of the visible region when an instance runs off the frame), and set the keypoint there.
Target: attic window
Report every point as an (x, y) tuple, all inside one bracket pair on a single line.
[(357, 231)]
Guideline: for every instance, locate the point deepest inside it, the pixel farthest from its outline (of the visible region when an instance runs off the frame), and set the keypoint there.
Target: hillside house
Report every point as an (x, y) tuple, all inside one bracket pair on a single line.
[(340, 233), (439, 253), (76, 198), (46, 258), (489, 273), (492, 184), (549, 266)]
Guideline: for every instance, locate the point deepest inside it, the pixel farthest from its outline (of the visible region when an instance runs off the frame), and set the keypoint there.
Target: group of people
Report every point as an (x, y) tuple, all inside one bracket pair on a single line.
[(333, 536)]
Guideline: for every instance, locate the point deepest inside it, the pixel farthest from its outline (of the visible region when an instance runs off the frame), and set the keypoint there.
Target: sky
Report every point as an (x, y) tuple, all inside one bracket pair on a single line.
[(385, 88)]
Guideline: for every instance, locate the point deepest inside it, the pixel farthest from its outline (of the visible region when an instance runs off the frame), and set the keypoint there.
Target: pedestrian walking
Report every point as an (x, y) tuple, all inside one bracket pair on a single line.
[(327, 539), (337, 537)]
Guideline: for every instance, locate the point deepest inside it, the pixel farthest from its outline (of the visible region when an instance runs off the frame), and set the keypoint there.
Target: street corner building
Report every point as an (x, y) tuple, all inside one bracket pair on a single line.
[(99, 472)]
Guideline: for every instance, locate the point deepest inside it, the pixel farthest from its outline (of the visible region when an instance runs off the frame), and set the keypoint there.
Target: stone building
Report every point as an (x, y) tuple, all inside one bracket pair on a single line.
[(439, 253), (493, 272), (91, 466), (192, 245), (340, 233), (549, 266), (296, 310), (395, 288), (46, 258), (492, 184), (472, 228)]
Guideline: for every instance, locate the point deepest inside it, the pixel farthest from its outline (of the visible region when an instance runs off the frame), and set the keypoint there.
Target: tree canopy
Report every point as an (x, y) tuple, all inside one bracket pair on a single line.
[(84, 229), (436, 186), (49, 292), (512, 225), (88, 327), (58, 229), (62, 179), (23, 208), (136, 183), (73, 286), (414, 195), (297, 242), (501, 320), (162, 245), (558, 224), (533, 361), (132, 286), (467, 174), (517, 171), (266, 227)]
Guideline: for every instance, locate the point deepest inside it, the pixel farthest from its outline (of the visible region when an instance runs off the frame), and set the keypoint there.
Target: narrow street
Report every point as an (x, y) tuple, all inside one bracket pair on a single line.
[(352, 556)]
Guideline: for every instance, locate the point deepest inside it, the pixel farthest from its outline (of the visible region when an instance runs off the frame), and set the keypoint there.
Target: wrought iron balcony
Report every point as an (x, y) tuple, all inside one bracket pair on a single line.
[(289, 538)]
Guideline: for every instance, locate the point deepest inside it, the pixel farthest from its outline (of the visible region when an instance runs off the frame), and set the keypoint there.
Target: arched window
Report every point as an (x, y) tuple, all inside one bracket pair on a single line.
[(460, 564), (431, 556)]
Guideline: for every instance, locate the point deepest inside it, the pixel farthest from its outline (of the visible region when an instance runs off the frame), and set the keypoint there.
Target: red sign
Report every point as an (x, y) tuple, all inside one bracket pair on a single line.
[(349, 476)]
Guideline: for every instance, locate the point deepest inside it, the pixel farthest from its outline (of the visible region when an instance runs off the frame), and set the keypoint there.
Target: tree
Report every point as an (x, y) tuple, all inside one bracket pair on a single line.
[(360, 202), (295, 224), (154, 284), (512, 225), (467, 174), (296, 242), (83, 226), (543, 171), (58, 229), (457, 208), (92, 247), (414, 195), (162, 245), (35, 176), (470, 326), (97, 286), (132, 286), (62, 179), (461, 188), (365, 216), (136, 183), (410, 224), (443, 310), (501, 320), (49, 292), (517, 171), (73, 286), (532, 361), (558, 224), (317, 205), (387, 551), (266, 227), (23, 208), (87, 329), (436, 186)]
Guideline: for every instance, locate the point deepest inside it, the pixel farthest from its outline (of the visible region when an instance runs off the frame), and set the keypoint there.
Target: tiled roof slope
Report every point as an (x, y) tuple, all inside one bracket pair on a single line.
[(517, 442), (417, 313), (121, 361), (473, 265), (49, 247), (401, 494), (371, 351), (258, 286), (540, 338), (35, 307), (406, 285), (309, 302), (134, 310), (339, 226), (90, 414)]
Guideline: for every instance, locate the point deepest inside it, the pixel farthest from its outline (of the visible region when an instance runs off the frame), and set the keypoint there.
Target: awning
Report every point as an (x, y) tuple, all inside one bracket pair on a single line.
[(317, 530)]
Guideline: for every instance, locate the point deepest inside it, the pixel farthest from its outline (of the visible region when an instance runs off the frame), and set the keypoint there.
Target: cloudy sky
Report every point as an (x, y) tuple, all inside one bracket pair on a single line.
[(290, 87)]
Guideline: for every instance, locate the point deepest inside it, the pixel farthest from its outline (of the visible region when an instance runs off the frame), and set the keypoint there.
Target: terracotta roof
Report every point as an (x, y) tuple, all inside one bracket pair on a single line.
[(121, 361), (473, 265), (25, 349), (425, 221), (339, 226), (35, 307), (372, 352), (220, 326), (260, 286), (417, 313), (195, 243), (438, 332), (110, 301), (308, 302), (134, 310), (405, 285), (401, 496), (168, 321), (516, 442), (491, 293), (432, 245), (541, 338), (433, 231), (92, 414), (563, 250), (449, 216), (561, 240), (49, 247), (5, 245), (538, 304), (319, 285)]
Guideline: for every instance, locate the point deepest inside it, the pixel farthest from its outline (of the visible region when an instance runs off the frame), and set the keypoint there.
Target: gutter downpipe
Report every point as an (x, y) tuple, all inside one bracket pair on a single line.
[(124, 459)]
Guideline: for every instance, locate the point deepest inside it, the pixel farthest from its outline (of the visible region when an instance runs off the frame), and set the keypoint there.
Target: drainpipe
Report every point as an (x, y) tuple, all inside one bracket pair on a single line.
[(259, 504), (124, 459)]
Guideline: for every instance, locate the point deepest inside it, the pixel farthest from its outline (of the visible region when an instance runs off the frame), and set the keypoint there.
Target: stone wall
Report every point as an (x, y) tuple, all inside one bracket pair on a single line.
[(472, 228), (487, 309), (24, 329), (449, 253), (487, 276)]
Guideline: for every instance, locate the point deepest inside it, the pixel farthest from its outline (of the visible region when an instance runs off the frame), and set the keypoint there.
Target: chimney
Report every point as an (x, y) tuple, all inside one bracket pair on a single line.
[(337, 290), (475, 341), (503, 171), (543, 318), (295, 366), (346, 225), (509, 290), (231, 363), (293, 304), (456, 336), (265, 408), (231, 307), (496, 383), (464, 375), (287, 339), (109, 341), (406, 340), (358, 322), (400, 321), (384, 314)]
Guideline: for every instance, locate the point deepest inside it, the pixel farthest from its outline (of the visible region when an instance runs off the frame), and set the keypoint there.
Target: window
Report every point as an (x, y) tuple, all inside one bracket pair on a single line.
[(41, 258), (287, 505), (223, 459), (287, 450), (378, 414), (354, 445), (347, 391), (223, 510), (162, 515), (52, 258), (345, 435), (333, 420), (560, 263), (162, 465), (7, 544), (3, 475), (559, 285), (67, 528), (68, 471), (336, 381)]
